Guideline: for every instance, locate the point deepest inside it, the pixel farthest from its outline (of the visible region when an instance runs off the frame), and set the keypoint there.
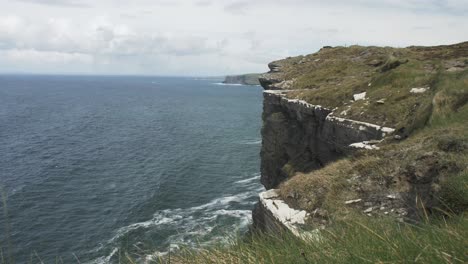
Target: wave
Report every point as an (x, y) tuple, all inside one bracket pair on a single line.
[(255, 178), (251, 142), (196, 226), (228, 84)]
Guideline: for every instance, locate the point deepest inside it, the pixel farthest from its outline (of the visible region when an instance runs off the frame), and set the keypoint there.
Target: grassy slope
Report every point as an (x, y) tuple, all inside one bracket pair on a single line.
[(437, 128), (331, 76), (357, 241)]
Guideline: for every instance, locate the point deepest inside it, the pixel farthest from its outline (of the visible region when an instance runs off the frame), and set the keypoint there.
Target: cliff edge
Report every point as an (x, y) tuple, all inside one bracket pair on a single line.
[(374, 130)]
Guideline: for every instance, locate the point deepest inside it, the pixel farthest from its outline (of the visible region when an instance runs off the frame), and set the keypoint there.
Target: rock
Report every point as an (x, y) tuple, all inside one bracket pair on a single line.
[(392, 64), (320, 213), (270, 194), (375, 63), (359, 96), (368, 210), (455, 69), (363, 145), (274, 67), (391, 196), (402, 212), (455, 65), (381, 101), (397, 137), (419, 90), (353, 201)]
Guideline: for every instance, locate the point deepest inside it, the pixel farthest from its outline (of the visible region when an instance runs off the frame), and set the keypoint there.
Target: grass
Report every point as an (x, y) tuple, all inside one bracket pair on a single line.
[(359, 240), (331, 76)]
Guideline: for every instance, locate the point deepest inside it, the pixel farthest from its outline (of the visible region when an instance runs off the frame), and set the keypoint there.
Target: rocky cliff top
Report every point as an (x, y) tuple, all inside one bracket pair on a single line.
[(387, 86)]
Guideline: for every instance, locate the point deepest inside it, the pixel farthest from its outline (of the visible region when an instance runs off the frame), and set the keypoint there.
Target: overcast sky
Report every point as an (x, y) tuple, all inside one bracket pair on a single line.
[(208, 37)]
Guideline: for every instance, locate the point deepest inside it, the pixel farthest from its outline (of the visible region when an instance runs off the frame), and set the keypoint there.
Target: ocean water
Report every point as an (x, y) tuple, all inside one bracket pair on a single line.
[(91, 166)]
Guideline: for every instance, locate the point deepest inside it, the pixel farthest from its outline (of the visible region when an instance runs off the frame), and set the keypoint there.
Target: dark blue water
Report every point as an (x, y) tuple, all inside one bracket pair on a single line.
[(96, 165)]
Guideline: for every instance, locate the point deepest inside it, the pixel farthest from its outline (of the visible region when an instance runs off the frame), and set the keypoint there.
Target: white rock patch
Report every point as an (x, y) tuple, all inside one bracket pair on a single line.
[(363, 145), (419, 90), (287, 216), (359, 96)]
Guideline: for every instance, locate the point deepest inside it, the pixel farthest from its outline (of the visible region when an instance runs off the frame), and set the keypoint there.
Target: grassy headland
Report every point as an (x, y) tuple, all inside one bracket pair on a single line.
[(245, 79), (424, 165)]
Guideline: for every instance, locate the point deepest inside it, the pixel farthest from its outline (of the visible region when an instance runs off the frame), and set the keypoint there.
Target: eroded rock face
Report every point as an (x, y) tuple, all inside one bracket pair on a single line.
[(272, 214), (274, 79), (299, 137)]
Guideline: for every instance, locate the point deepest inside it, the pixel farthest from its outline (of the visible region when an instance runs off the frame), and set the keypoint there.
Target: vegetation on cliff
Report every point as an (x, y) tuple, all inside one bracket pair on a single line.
[(332, 76), (424, 164)]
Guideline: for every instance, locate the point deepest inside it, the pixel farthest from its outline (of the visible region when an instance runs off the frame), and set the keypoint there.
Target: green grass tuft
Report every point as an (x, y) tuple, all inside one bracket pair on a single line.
[(359, 240)]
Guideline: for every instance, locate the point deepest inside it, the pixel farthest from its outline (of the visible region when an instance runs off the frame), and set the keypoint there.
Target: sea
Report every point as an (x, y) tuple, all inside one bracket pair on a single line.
[(94, 168)]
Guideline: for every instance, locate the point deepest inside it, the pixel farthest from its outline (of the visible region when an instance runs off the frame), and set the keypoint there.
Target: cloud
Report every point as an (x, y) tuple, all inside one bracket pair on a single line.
[(209, 37), (237, 7), (65, 3), (41, 57), (98, 37), (203, 3), (453, 7)]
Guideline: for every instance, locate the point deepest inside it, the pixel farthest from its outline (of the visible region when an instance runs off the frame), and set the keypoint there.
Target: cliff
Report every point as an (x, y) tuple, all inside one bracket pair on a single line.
[(244, 79), (380, 131)]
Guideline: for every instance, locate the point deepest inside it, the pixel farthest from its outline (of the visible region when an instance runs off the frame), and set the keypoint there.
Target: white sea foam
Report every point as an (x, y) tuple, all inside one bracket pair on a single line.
[(251, 142), (196, 226), (191, 227), (229, 84), (253, 179)]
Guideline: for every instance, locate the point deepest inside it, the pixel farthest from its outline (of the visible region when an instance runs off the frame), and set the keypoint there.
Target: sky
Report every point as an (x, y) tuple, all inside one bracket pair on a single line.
[(208, 37)]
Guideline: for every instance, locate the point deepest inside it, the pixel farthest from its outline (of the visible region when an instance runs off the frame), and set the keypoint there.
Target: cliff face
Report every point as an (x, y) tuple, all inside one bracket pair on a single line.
[(300, 137), (369, 93)]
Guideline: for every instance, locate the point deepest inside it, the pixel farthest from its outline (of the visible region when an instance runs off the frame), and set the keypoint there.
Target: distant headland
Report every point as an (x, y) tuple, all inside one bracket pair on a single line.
[(245, 79)]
